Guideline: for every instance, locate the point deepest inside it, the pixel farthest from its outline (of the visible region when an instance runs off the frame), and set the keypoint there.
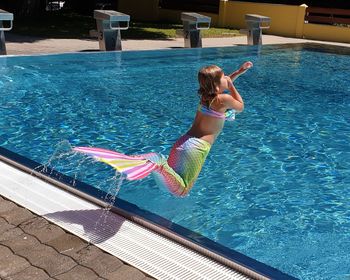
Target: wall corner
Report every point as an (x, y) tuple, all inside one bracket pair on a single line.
[(300, 21)]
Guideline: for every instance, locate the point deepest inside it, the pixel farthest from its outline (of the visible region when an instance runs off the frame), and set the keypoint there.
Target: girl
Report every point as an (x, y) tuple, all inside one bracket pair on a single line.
[(179, 172)]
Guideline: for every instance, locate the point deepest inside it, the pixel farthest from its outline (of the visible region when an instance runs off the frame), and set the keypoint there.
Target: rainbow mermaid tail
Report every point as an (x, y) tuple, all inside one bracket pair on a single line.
[(177, 173)]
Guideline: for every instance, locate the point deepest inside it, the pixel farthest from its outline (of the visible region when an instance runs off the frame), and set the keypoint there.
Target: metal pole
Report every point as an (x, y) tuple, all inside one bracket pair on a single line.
[(109, 39), (255, 34), (192, 36), (2, 40)]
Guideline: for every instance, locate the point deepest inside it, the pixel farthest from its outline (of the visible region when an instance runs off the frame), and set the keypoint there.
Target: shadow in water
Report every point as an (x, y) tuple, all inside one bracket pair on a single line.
[(92, 50), (99, 225)]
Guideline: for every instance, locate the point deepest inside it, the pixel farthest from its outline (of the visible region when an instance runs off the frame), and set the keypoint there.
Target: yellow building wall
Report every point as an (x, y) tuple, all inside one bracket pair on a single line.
[(326, 33), (284, 18)]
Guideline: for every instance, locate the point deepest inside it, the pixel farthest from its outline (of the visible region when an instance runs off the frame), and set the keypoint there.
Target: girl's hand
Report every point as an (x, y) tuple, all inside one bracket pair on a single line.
[(229, 82), (245, 66)]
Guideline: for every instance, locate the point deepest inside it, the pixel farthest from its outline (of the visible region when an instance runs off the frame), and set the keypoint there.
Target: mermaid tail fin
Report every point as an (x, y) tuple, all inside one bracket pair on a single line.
[(177, 173), (134, 167)]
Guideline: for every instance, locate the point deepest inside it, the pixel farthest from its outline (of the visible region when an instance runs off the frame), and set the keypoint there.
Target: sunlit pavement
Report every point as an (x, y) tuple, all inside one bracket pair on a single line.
[(31, 45)]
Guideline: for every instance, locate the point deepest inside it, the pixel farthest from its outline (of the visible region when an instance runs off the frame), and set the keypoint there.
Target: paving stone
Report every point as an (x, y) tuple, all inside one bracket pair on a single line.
[(18, 215), (126, 272), (77, 273), (4, 226), (87, 254), (21, 242), (2, 221), (10, 234), (4, 250), (42, 229), (6, 206), (31, 273), (67, 244), (48, 259), (10, 263), (103, 264)]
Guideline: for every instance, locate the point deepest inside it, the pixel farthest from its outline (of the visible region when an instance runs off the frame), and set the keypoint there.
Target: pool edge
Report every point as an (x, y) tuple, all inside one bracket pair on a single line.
[(326, 45)]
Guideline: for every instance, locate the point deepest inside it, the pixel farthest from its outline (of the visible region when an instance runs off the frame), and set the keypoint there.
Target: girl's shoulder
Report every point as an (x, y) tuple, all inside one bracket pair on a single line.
[(224, 99), (219, 102)]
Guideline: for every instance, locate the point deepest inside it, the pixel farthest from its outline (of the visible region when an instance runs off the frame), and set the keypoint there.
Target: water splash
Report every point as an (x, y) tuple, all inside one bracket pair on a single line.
[(114, 185), (65, 159), (76, 165)]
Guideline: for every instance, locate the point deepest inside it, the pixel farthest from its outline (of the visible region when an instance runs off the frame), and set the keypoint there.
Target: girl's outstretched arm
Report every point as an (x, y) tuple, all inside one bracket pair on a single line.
[(234, 99), (245, 66)]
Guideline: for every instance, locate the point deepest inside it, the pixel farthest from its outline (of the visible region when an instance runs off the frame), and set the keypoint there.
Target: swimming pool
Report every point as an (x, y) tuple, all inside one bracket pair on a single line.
[(275, 186)]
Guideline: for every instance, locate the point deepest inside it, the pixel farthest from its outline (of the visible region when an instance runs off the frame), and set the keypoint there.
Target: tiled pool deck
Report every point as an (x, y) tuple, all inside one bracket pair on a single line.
[(33, 248)]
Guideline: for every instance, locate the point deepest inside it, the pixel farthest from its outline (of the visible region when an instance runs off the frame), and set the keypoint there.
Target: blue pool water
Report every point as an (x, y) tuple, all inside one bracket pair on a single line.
[(276, 183)]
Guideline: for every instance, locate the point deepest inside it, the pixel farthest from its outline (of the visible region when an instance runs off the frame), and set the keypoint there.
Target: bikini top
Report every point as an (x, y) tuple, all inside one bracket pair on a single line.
[(229, 115)]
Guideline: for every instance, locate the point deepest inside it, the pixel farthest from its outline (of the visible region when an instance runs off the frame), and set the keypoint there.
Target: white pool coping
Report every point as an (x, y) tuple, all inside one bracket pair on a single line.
[(142, 248)]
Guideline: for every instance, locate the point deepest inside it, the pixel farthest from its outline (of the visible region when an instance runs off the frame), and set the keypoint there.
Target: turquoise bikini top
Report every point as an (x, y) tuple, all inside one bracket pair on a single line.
[(229, 115)]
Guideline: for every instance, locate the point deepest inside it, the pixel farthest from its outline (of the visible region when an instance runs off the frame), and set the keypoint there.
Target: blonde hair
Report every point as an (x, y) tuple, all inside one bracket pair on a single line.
[(209, 81)]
